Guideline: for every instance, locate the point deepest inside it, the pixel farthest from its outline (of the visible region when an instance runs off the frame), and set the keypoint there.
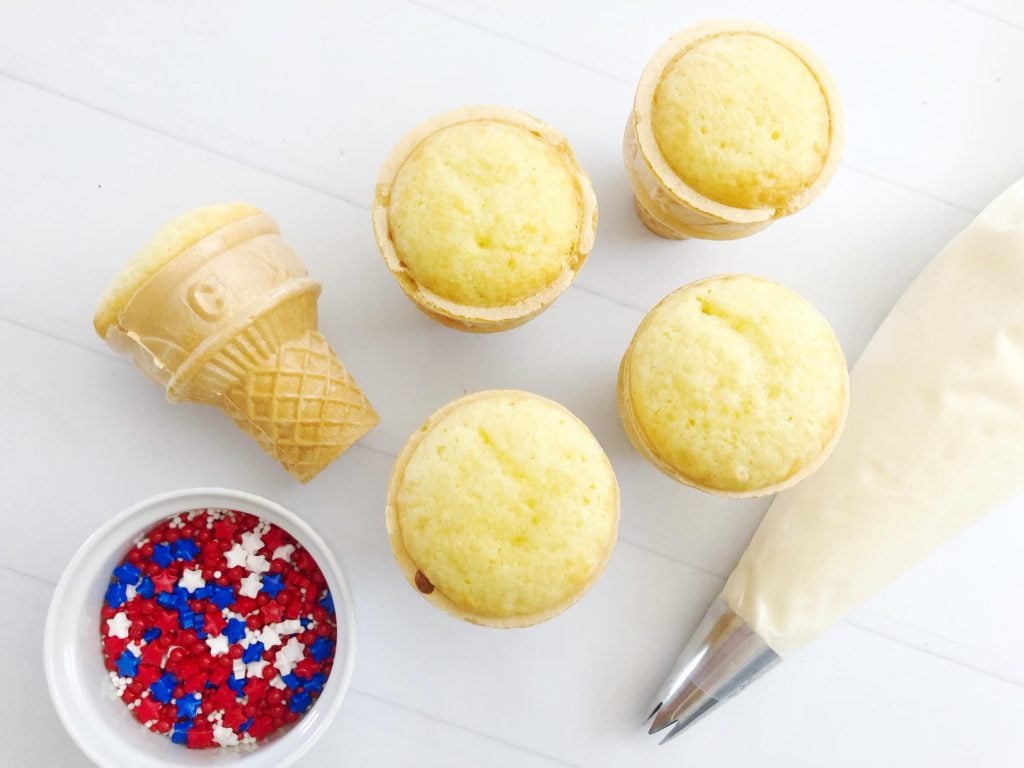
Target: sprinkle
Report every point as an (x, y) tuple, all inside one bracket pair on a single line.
[(188, 705), (128, 664), (218, 645), (191, 579), (119, 625), (163, 689), (253, 653), (116, 595), (162, 555), (255, 668), (257, 563), (273, 583), (251, 585), (235, 630), (222, 597), (185, 549), (284, 552), (251, 543), (321, 649), (127, 573), (236, 556)]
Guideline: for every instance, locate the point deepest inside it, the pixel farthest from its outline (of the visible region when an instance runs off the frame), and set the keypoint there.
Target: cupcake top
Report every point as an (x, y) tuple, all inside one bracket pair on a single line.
[(175, 237), (484, 216), (743, 120), (736, 385), (503, 508)]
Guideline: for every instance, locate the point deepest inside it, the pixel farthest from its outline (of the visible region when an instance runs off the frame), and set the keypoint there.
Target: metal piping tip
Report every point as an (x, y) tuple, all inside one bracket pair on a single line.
[(722, 657)]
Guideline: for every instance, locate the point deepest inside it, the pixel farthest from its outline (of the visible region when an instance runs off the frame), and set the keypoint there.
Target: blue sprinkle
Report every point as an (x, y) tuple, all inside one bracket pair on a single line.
[(151, 634), (117, 594), (201, 634), (305, 622), (186, 549), (293, 681), (300, 702), (128, 664), (145, 588), (180, 733), (162, 555), (127, 573), (245, 726), (321, 648), (185, 617), (327, 601), (163, 689), (253, 653), (272, 584), (235, 630), (211, 686), (202, 593), (188, 705), (316, 682), (237, 684), (167, 600), (181, 595), (222, 597)]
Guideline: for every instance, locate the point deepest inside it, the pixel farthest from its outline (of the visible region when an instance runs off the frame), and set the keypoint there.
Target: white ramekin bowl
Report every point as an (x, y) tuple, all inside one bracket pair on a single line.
[(98, 721)]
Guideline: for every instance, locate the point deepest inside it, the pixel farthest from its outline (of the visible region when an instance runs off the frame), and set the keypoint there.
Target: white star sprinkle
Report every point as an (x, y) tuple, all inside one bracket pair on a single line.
[(269, 637), (236, 556), (118, 626), (250, 586), (130, 593), (224, 736), (283, 664), (292, 653), (288, 627), (284, 552), (218, 645), (255, 668), (192, 579), (257, 563), (278, 683), (251, 543), (238, 669), (294, 650)]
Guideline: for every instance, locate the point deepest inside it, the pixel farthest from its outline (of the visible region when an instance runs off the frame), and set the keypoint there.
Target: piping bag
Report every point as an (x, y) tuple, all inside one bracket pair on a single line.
[(933, 441)]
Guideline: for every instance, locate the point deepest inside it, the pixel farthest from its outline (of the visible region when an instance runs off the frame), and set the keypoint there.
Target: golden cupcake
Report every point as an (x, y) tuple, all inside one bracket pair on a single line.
[(733, 126), (734, 385), (484, 217), (502, 509), (217, 309)]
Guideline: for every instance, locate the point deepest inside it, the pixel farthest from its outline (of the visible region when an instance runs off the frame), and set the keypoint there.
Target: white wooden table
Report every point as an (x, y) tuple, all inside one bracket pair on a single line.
[(116, 115)]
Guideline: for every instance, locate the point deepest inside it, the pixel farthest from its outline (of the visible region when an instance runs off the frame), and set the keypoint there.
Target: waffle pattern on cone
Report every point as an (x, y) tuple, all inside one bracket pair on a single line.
[(301, 406)]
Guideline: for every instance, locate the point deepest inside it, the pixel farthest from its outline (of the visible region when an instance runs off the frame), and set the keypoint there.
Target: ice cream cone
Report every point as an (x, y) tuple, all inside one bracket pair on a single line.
[(230, 320), (683, 363), (668, 205), (519, 307)]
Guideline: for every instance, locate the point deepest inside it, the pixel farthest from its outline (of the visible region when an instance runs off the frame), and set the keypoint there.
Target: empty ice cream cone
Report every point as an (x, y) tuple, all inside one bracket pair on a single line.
[(219, 310), (734, 125)]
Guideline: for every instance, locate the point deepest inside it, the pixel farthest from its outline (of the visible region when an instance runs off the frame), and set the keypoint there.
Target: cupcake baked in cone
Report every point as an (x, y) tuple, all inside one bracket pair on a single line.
[(484, 217), (734, 385), (734, 125), (502, 509), (217, 309)]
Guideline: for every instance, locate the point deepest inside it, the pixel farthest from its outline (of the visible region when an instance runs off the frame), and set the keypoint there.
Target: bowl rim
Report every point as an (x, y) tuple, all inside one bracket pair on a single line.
[(200, 498)]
